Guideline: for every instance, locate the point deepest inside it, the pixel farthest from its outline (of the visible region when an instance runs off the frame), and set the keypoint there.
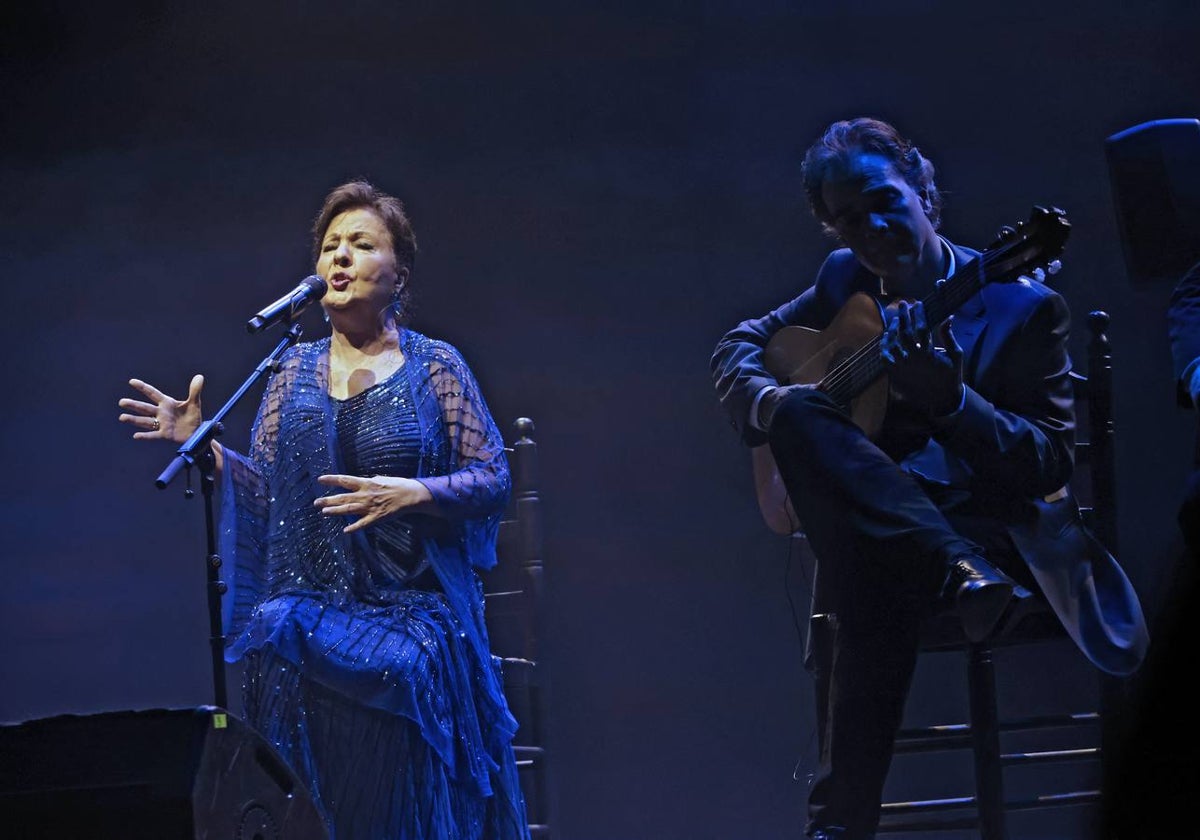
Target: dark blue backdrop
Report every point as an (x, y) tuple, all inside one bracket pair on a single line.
[(600, 190)]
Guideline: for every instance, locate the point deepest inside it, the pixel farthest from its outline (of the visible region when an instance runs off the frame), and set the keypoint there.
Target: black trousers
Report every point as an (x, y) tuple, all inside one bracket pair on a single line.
[(882, 547)]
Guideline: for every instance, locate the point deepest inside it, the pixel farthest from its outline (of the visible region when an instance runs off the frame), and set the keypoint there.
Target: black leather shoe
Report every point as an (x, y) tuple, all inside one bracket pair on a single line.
[(978, 592)]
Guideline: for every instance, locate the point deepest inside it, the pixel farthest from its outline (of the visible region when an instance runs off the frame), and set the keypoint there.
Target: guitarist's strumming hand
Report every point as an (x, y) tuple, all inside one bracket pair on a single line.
[(924, 373)]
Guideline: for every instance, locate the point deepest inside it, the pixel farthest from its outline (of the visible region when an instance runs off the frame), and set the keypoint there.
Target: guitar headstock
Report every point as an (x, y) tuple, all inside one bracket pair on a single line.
[(1031, 248)]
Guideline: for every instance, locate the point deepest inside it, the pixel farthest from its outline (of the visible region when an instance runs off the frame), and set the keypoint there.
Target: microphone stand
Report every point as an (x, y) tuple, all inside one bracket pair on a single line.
[(197, 452)]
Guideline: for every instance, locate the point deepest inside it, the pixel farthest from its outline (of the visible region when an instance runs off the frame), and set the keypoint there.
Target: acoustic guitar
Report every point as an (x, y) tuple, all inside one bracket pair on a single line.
[(844, 359)]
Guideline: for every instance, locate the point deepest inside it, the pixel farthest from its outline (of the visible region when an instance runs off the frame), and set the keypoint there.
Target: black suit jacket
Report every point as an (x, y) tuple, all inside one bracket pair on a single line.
[(1011, 448)]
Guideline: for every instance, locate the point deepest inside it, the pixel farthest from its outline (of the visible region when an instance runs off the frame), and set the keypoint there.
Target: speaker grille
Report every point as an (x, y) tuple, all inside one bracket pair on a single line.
[(161, 773)]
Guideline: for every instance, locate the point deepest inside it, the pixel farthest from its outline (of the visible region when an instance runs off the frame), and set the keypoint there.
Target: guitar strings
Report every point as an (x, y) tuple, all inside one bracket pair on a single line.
[(864, 365)]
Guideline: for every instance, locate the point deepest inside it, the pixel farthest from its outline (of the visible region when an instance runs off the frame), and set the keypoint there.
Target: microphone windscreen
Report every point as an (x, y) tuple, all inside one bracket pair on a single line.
[(317, 284)]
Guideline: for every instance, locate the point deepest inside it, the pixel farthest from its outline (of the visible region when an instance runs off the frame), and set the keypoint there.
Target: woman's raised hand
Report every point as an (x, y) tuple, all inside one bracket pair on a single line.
[(160, 417)]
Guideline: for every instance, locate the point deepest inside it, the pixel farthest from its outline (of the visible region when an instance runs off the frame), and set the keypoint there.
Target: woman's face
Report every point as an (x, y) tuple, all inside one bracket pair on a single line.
[(358, 263)]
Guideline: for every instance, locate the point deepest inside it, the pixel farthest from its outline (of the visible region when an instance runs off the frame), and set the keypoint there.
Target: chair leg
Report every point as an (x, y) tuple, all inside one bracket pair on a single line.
[(985, 736), (1117, 726)]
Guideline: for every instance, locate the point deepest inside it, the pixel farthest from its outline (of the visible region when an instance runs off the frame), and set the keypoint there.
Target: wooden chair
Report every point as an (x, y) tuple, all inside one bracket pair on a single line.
[(513, 612), (1080, 732)]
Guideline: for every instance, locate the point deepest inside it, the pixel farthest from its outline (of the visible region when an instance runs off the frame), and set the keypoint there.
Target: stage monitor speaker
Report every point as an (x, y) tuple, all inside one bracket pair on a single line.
[(197, 773), (1154, 169)]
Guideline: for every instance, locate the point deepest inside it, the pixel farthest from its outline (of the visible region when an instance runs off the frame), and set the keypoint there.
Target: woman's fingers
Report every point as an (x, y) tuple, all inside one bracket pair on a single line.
[(143, 408), (149, 390), (143, 416), (350, 482), (341, 504), (339, 509), (346, 504), (358, 523), (161, 416), (145, 429), (337, 498), (141, 421), (194, 388)]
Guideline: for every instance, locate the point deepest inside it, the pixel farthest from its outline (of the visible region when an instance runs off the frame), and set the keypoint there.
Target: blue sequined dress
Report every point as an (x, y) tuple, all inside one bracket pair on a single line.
[(366, 657)]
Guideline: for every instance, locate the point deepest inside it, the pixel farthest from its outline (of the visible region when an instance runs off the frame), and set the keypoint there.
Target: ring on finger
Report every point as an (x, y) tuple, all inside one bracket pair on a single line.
[(157, 425)]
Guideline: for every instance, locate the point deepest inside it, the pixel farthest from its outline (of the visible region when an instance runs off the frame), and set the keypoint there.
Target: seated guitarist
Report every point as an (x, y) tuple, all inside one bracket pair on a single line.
[(959, 500)]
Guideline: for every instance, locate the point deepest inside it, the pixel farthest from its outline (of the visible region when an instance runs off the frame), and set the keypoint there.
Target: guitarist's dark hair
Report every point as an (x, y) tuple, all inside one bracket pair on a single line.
[(865, 134)]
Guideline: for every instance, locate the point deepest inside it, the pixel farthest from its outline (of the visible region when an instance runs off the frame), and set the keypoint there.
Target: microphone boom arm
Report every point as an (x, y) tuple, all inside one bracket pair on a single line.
[(197, 450)]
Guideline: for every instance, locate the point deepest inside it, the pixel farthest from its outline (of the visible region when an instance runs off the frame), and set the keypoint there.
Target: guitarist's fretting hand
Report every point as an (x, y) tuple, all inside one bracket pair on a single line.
[(922, 372)]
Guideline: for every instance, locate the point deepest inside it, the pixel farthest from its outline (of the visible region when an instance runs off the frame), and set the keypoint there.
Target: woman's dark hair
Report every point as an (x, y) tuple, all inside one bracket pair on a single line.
[(846, 138), (359, 194)]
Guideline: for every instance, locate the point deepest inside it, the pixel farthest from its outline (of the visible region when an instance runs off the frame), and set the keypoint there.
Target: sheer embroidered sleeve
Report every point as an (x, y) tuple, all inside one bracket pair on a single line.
[(478, 483), (246, 503)]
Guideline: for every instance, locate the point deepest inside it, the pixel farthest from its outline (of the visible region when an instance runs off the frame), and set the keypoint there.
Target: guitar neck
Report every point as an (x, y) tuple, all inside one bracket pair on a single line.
[(855, 374), (948, 297)]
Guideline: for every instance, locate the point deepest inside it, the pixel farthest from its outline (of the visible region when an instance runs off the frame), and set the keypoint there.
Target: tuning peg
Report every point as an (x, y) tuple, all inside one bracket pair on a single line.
[(1006, 232), (1039, 274)]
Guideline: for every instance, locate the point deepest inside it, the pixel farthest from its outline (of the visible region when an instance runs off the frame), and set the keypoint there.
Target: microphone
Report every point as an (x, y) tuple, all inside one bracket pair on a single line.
[(288, 307)]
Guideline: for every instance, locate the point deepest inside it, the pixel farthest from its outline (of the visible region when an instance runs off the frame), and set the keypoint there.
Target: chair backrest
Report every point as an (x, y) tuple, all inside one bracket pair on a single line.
[(1095, 464), (514, 608)]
